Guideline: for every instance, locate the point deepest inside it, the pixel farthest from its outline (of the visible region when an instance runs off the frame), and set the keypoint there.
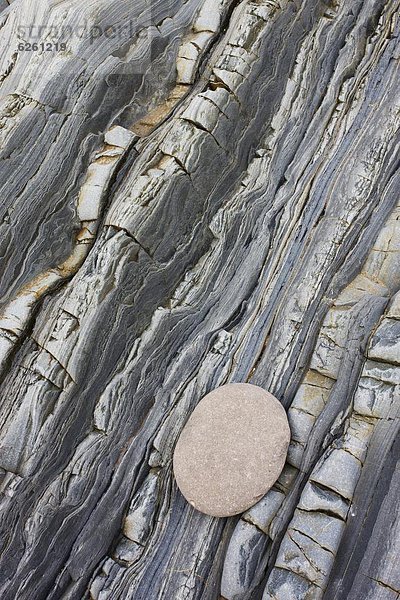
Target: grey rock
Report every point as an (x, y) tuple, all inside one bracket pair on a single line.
[(262, 513), (303, 556), (385, 344), (325, 530), (315, 498), (285, 585), (248, 230), (242, 560), (338, 471)]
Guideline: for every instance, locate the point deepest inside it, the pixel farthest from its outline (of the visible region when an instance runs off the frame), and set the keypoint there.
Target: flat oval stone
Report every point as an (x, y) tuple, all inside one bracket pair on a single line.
[(232, 449)]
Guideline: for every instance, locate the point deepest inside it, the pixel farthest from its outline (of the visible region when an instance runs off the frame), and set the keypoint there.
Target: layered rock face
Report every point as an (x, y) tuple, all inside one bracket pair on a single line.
[(196, 193)]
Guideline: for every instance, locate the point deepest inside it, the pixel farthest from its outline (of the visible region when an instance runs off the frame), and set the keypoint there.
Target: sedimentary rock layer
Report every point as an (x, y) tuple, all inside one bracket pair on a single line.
[(209, 196)]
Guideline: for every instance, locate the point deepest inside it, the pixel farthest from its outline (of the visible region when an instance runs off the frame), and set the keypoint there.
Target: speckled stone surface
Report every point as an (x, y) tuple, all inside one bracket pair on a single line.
[(232, 449)]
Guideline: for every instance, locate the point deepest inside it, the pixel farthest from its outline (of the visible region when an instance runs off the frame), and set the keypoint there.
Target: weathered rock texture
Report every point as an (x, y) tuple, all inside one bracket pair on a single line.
[(242, 224)]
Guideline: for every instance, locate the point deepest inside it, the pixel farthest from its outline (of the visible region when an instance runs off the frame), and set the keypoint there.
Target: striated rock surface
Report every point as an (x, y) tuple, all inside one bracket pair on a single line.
[(209, 196)]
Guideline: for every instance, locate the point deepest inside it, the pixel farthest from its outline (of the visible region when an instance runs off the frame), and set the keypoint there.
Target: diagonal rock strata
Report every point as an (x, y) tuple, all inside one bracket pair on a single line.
[(237, 205)]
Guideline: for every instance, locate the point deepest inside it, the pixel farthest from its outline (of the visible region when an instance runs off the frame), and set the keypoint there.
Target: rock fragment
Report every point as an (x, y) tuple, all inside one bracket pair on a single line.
[(232, 449)]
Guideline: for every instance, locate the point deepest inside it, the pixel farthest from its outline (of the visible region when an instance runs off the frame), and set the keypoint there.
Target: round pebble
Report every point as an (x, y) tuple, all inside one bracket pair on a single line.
[(232, 449)]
